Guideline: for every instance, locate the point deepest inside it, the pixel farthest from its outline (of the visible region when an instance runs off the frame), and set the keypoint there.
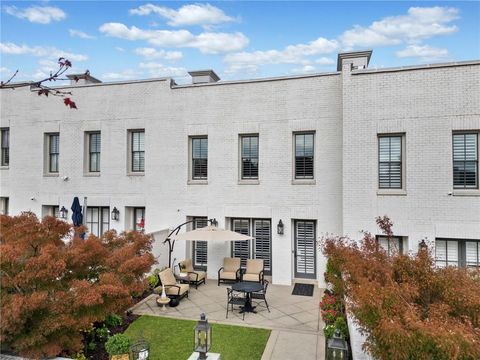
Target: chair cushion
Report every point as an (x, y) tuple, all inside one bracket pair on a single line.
[(254, 266), (231, 264), (201, 275), (167, 277), (228, 275), (187, 264), (174, 290), (251, 277)]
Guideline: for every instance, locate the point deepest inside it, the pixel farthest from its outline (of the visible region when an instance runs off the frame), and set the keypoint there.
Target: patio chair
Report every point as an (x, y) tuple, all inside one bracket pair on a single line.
[(261, 295), (172, 289), (230, 271), (195, 277), (254, 271), (235, 298)]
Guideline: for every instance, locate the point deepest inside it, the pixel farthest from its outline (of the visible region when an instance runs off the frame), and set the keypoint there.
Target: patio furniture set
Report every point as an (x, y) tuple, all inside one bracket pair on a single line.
[(248, 283)]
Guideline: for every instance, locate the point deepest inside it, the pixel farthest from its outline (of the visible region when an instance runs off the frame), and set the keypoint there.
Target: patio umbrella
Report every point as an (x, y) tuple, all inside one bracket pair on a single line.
[(77, 216), (211, 233)]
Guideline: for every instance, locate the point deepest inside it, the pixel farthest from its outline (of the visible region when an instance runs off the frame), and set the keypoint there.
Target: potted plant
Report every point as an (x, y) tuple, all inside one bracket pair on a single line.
[(118, 347)]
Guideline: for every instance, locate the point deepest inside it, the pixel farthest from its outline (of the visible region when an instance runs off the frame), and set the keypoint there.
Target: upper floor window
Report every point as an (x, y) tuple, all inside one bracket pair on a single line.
[(5, 143), (249, 144), (53, 144), (465, 161), (94, 145), (137, 145), (304, 155), (390, 162), (200, 158)]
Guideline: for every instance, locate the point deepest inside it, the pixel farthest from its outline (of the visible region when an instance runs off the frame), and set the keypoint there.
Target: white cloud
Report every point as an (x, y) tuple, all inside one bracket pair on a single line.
[(39, 51), (292, 54), (206, 42), (3, 69), (324, 61), (160, 70), (80, 34), (118, 48), (418, 24), (151, 53), (126, 74), (37, 14), (306, 69), (423, 52), (192, 14)]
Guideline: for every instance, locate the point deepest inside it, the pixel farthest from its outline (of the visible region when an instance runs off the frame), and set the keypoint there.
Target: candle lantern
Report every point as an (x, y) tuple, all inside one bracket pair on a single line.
[(203, 337)]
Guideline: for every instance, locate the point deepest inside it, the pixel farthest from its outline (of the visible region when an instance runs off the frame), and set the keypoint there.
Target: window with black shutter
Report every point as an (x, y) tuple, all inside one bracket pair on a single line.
[(304, 155)]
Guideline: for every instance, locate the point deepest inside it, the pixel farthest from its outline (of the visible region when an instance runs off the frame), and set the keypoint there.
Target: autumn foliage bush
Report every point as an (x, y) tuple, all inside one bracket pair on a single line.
[(406, 306), (54, 285)]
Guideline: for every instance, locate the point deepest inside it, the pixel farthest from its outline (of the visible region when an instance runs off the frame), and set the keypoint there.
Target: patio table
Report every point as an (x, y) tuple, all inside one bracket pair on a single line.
[(247, 287)]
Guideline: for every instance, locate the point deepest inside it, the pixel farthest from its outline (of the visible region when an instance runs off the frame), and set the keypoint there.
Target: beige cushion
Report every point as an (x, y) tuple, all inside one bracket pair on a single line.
[(187, 264), (251, 277), (254, 266), (174, 291), (231, 264), (167, 277), (201, 275), (228, 275)]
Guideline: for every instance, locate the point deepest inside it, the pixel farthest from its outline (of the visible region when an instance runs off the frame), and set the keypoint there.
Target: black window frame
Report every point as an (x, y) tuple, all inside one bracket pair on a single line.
[(248, 160), (199, 222), (5, 146), (389, 249), (94, 153), (461, 251), (390, 162), (135, 212), (137, 167), (301, 161), (53, 157), (100, 219), (199, 162), (465, 162)]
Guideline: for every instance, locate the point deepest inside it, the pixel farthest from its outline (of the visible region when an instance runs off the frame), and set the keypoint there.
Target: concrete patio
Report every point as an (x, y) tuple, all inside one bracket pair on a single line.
[(294, 320)]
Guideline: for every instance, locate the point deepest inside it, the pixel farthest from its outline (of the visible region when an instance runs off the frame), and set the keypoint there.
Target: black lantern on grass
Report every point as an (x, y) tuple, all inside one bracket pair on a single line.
[(337, 347), (203, 337), (140, 349)]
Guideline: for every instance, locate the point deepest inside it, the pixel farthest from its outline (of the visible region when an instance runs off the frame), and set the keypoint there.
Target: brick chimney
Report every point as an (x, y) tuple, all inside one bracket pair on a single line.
[(357, 59), (203, 76), (82, 79)]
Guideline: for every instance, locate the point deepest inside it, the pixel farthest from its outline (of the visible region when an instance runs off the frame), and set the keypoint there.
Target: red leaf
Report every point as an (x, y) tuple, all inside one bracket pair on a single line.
[(72, 105)]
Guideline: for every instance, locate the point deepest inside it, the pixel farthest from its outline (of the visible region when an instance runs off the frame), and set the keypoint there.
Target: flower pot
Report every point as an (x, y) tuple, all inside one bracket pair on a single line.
[(120, 357)]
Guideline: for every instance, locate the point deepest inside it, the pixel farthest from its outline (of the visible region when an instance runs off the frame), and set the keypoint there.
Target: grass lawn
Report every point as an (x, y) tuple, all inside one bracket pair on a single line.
[(173, 339)]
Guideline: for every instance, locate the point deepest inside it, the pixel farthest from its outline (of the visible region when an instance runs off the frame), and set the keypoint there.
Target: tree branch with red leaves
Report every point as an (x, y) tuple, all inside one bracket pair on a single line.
[(41, 88)]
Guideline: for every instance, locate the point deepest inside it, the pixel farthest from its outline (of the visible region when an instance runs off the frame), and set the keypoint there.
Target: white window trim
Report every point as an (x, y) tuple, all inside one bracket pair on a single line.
[(393, 192)]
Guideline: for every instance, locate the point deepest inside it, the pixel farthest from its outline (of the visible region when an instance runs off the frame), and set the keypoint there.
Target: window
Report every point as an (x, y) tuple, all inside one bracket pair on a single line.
[(5, 143), (457, 252), (139, 219), (249, 156), (392, 245), (137, 144), (304, 155), (200, 158), (390, 162), (98, 220), (53, 152), (3, 205), (465, 161), (94, 145), (200, 248), (260, 248), (51, 210)]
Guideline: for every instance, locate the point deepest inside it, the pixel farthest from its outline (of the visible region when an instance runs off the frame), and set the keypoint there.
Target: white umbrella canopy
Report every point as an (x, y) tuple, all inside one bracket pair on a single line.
[(211, 233)]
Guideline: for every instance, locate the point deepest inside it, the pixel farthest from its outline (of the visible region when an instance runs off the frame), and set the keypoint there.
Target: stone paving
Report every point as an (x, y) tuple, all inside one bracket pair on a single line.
[(294, 320)]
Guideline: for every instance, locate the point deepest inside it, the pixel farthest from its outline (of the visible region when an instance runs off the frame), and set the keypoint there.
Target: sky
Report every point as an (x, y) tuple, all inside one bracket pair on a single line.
[(123, 40)]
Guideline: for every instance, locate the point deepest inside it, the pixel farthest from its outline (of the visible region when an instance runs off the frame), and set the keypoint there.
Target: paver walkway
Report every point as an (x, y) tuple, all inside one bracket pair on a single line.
[(294, 320)]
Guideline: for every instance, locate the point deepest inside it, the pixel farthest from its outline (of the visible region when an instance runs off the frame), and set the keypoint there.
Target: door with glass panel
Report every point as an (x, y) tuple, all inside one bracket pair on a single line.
[(98, 220), (200, 249), (305, 249)]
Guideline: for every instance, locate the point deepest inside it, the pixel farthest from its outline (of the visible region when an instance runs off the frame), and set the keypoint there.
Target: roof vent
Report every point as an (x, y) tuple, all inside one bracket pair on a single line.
[(82, 79), (358, 59), (203, 76)]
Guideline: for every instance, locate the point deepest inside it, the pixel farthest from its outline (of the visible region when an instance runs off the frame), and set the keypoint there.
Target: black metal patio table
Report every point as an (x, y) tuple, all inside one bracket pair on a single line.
[(247, 288)]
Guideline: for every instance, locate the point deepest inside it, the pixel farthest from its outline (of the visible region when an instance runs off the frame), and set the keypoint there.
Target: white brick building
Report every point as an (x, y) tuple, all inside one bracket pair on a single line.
[(411, 116)]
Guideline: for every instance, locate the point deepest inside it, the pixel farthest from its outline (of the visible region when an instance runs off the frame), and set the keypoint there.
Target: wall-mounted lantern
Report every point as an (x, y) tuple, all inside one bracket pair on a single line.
[(423, 245), (115, 214), (280, 227), (63, 213)]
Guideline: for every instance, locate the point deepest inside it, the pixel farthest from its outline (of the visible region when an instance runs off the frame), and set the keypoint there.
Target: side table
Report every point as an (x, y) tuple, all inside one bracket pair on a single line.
[(162, 302)]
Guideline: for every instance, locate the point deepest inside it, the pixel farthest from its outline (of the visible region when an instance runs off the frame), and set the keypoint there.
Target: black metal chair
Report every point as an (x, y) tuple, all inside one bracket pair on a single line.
[(235, 298), (260, 295)]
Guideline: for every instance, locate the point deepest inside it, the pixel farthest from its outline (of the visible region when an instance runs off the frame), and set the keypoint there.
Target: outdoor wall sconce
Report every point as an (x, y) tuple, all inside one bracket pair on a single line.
[(63, 213), (213, 222), (337, 347), (202, 337), (423, 245), (280, 227), (115, 214), (140, 349)]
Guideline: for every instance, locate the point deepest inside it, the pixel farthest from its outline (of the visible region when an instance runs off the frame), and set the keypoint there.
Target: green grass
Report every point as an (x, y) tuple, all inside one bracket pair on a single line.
[(173, 339)]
